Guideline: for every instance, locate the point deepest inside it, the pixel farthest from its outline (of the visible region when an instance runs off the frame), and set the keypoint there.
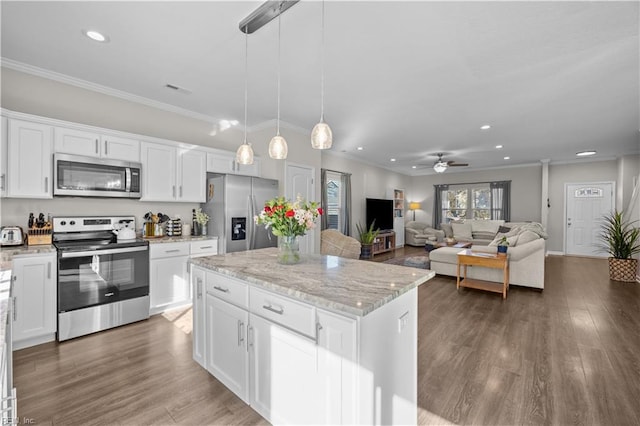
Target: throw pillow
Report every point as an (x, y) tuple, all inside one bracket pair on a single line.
[(483, 235), (526, 237), (485, 225), (504, 229), (462, 231), (511, 240), (448, 230)]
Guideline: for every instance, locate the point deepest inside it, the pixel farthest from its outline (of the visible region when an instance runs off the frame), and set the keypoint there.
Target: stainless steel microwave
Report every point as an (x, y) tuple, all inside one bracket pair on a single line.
[(80, 176)]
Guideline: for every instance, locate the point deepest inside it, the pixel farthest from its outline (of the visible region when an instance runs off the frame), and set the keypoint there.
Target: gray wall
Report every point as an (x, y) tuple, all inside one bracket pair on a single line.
[(525, 190)]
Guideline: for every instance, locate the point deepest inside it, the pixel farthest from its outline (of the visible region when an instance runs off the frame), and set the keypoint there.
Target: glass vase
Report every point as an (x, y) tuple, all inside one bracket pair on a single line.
[(288, 250)]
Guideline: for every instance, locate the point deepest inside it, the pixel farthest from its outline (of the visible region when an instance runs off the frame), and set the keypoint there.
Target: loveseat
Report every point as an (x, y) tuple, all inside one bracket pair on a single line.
[(526, 258), (335, 243), (418, 233)]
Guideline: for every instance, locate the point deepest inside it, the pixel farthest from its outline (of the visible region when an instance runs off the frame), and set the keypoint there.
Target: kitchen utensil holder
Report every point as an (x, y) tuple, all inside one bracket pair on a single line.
[(39, 236)]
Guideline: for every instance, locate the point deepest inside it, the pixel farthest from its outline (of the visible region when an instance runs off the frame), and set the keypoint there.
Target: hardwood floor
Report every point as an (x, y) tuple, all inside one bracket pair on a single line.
[(567, 355)]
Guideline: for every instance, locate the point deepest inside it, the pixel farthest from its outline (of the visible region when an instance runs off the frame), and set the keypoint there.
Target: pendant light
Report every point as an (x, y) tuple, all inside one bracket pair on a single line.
[(278, 146), (321, 135), (244, 155)]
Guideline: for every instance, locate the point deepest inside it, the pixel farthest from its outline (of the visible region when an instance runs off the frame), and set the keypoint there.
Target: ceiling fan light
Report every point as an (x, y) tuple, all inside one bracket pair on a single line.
[(244, 155), (321, 136), (440, 166), (278, 148)]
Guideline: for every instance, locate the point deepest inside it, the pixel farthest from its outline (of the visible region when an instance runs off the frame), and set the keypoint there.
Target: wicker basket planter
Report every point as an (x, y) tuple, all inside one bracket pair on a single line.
[(623, 269)]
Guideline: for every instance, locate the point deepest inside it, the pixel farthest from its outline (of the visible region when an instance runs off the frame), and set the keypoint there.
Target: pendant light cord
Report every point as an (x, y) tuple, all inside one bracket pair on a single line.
[(322, 65), (246, 78), (278, 122)]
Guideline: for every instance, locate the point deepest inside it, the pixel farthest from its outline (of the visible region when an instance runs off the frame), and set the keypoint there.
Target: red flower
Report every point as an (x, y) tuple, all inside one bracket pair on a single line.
[(267, 209), (290, 213), (320, 210)]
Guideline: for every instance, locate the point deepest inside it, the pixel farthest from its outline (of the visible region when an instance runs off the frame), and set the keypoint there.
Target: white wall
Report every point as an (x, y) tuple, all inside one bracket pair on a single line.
[(366, 182)]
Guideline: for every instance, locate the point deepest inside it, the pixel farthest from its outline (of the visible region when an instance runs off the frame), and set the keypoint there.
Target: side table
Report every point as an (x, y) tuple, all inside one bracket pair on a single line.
[(486, 260)]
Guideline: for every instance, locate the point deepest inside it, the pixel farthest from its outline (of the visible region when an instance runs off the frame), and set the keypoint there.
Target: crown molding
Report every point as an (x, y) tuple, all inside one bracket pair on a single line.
[(87, 85)]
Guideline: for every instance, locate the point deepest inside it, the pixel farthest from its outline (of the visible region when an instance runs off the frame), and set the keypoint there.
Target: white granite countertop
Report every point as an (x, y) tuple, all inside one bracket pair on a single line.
[(184, 238), (7, 253), (355, 287)]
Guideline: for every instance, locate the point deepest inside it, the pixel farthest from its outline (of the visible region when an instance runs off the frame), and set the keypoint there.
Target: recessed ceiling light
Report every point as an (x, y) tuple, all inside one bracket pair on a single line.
[(585, 153), (414, 167), (96, 36), (498, 146), (393, 159), (485, 127), (359, 148), (507, 158)]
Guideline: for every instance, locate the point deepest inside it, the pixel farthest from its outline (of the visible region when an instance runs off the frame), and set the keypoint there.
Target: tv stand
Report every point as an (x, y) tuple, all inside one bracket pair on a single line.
[(384, 242)]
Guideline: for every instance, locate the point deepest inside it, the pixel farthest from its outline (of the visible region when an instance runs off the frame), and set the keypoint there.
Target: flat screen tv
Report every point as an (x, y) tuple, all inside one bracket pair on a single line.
[(382, 212)]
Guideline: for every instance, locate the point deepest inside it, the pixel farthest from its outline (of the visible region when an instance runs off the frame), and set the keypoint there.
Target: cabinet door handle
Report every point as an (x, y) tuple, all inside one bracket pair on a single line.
[(106, 147), (270, 307), (224, 290), (97, 147), (180, 191), (250, 337), (14, 309), (205, 247), (2, 179), (46, 185), (173, 191), (49, 270), (172, 251), (199, 288), (240, 334)]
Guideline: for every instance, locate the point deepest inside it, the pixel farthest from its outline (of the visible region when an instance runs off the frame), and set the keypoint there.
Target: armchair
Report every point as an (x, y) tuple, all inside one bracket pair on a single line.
[(418, 233)]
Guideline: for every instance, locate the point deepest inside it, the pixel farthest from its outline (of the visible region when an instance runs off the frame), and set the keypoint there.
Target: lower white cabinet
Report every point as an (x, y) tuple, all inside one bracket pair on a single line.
[(169, 284), (34, 300)]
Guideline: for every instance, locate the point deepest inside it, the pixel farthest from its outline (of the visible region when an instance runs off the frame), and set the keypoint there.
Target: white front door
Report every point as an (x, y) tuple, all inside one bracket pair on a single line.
[(586, 204), (299, 181)]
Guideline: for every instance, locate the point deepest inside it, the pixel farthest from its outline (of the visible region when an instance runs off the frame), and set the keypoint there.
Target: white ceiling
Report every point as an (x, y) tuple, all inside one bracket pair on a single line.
[(404, 80)]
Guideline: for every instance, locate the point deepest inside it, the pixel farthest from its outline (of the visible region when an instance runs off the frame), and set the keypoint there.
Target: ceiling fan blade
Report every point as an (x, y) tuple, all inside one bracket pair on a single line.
[(453, 164)]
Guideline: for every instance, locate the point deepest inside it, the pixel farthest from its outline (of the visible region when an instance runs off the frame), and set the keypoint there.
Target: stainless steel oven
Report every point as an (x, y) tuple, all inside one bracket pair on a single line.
[(102, 282)]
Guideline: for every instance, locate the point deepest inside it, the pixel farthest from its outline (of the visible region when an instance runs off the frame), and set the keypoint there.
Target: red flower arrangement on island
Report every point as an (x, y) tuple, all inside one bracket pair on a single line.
[(288, 219)]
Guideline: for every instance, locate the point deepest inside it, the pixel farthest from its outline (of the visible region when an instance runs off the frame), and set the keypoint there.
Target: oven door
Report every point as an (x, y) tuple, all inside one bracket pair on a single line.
[(96, 277)]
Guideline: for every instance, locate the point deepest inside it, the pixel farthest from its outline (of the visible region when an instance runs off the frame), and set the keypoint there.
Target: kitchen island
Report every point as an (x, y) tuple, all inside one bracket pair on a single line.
[(326, 341)]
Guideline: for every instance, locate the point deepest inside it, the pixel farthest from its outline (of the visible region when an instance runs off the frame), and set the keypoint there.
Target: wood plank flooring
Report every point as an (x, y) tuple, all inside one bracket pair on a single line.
[(567, 355)]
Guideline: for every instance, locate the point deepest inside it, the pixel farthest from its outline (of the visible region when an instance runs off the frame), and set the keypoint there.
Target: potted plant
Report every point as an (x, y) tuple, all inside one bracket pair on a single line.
[(503, 244), (621, 240), (367, 238)]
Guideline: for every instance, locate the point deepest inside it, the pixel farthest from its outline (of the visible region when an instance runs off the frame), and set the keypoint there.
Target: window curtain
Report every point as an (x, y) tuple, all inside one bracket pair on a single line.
[(501, 200), (346, 186), (437, 204), (324, 219)]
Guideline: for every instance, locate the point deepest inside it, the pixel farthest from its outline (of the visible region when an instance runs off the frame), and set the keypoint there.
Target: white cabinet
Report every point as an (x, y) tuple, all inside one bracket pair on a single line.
[(34, 300), (80, 142), (4, 137), (226, 354), (172, 174), (29, 160), (169, 284), (198, 313), (226, 163), (168, 277), (397, 195)]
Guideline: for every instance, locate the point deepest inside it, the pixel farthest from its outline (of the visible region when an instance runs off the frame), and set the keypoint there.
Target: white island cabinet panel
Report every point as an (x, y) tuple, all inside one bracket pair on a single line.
[(29, 160), (324, 346), (199, 307)]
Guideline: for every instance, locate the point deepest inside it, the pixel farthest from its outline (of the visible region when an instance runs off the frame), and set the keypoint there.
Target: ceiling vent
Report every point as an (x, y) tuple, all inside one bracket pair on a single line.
[(178, 89)]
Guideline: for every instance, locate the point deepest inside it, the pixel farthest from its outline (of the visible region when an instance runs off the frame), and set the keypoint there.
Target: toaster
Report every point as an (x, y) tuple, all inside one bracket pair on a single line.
[(11, 236)]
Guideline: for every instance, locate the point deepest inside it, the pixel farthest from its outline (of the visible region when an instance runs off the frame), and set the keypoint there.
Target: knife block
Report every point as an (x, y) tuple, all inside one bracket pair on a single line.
[(39, 236)]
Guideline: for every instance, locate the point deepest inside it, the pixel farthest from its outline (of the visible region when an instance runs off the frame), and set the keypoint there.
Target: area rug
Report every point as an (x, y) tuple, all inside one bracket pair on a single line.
[(402, 260)]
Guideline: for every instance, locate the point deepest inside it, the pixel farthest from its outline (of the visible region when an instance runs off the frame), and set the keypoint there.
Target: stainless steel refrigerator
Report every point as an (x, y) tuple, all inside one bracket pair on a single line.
[(232, 202)]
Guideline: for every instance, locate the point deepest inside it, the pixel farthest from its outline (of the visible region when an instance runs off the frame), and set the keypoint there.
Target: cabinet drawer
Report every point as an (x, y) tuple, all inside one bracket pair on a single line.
[(225, 288), (160, 250), (294, 315), (204, 248)]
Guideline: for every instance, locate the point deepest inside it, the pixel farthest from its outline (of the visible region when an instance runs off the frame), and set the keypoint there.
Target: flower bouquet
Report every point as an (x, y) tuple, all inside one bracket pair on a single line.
[(289, 220)]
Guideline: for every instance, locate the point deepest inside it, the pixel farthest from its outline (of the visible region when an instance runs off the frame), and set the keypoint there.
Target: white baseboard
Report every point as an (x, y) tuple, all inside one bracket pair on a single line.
[(555, 253)]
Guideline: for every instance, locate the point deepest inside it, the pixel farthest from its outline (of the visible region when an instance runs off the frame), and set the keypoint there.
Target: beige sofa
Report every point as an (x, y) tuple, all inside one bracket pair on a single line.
[(418, 233), (526, 261), (335, 243)]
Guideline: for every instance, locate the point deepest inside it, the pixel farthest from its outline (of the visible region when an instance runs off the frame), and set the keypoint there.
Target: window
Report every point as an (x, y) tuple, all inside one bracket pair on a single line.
[(336, 201), (334, 204), (467, 202)]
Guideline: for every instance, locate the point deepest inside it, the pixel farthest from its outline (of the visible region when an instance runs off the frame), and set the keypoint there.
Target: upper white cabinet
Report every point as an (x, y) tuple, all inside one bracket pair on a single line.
[(4, 136), (80, 142), (29, 160), (226, 163), (172, 174)]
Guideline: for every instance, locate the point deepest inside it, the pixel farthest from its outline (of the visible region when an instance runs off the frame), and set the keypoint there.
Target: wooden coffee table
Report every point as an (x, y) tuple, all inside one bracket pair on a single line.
[(487, 260)]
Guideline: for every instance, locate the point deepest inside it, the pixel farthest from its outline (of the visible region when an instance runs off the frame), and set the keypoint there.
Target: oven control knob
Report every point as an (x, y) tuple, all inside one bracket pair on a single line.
[(63, 223), (73, 222)]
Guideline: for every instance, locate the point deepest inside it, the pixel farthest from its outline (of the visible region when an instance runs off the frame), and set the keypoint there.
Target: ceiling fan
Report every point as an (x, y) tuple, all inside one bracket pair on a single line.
[(440, 165)]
